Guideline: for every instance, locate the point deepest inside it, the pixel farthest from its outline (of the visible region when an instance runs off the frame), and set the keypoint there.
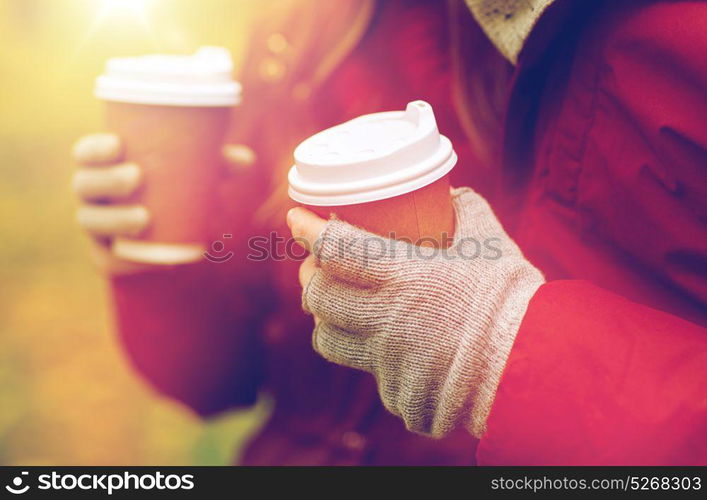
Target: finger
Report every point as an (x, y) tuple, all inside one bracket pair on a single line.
[(98, 149), (109, 183), (357, 256), (238, 157), (341, 347), (344, 305), (113, 220), (306, 227), (306, 270)]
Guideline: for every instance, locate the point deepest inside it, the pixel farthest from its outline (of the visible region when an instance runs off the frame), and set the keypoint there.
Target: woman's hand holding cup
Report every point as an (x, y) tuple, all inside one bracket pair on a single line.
[(104, 183)]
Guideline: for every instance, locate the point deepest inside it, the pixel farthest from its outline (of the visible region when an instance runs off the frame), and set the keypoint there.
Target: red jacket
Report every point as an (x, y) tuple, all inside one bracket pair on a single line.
[(594, 170), (607, 133)]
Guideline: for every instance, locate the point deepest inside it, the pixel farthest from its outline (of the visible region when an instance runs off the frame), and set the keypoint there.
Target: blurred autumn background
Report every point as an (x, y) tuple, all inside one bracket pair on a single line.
[(67, 394)]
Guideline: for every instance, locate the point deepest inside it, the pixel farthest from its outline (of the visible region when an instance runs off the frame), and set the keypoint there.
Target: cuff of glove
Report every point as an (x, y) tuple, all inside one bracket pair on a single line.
[(497, 344)]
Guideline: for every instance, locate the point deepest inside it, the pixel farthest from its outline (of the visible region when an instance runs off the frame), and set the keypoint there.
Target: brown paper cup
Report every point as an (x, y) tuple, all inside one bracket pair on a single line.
[(178, 149), (385, 172), (424, 217), (171, 112)]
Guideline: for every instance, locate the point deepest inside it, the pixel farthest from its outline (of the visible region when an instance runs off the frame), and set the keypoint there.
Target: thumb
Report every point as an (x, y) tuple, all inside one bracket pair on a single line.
[(306, 227), (238, 157)]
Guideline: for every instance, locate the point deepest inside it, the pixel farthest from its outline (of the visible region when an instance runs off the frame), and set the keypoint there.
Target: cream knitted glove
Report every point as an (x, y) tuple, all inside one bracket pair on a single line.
[(435, 327)]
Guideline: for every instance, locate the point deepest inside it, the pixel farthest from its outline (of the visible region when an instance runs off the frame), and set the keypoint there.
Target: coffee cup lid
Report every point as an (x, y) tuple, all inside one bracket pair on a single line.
[(370, 158), (202, 79)]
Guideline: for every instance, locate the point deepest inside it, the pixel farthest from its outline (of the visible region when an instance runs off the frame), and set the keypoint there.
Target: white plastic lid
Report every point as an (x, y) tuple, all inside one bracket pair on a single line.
[(372, 157), (202, 79)]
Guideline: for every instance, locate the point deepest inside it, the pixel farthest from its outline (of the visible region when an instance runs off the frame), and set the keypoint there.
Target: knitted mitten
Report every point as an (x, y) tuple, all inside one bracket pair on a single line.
[(434, 326)]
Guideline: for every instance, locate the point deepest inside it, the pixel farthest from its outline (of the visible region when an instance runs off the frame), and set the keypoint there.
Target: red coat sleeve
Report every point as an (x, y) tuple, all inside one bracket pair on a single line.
[(596, 379), (193, 333)]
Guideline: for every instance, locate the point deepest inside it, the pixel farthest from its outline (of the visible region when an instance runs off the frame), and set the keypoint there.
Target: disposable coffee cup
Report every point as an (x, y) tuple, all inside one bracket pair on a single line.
[(171, 113), (385, 172)]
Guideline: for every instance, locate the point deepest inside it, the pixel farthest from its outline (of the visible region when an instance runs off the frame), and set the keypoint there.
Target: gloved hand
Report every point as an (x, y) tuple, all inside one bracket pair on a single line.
[(434, 327), (103, 181)]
